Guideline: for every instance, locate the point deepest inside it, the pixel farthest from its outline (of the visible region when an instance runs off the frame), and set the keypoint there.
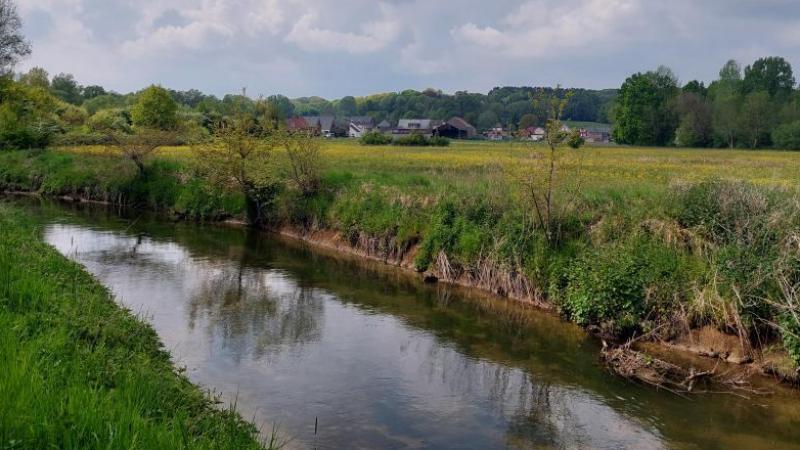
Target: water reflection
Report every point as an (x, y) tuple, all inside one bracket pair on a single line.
[(380, 360)]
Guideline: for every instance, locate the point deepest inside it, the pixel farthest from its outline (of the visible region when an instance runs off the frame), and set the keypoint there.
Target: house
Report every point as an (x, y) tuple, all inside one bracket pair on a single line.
[(535, 134), (496, 134), (298, 124), (416, 126), (359, 126), (596, 136), (327, 126), (385, 127), (456, 128)]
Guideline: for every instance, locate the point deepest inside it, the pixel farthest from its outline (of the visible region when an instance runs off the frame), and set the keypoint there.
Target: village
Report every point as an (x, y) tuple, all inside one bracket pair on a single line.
[(455, 128)]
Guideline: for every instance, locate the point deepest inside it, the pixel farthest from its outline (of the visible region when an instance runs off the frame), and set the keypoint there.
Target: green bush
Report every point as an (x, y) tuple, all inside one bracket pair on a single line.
[(620, 286), (375, 138), (438, 141), (787, 136), (411, 140)]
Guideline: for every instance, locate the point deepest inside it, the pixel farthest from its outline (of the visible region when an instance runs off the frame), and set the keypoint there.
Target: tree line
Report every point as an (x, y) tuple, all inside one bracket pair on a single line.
[(754, 107)]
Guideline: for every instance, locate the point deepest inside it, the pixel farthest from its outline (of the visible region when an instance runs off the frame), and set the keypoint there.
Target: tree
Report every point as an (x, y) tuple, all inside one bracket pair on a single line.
[(756, 118), (772, 75), (90, 92), (347, 106), (645, 111), (695, 129), (487, 120), (155, 108), (787, 136), (542, 182), (725, 117), (140, 144), (282, 106), (696, 87), (239, 156), (13, 45), (304, 154), (36, 77), (528, 121), (67, 89)]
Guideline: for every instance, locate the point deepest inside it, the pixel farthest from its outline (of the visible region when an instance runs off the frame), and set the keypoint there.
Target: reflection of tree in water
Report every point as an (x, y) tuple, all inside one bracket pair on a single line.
[(252, 310)]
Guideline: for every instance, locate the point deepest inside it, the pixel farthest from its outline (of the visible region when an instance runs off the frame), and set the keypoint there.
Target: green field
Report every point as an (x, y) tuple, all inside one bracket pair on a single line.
[(645, 234), (79, 372)]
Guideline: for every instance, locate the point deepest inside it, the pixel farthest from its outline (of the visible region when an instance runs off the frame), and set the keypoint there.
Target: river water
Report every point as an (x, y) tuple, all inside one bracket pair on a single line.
[(338, 353)]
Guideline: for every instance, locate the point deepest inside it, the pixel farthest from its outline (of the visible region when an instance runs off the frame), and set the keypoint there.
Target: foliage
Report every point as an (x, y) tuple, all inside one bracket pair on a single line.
[(141, 143), (645, 111), (419, 140), (304, 154), (154, 108), (787, 136), (27, 115), (13, 45), (375, 138), (772, 75)]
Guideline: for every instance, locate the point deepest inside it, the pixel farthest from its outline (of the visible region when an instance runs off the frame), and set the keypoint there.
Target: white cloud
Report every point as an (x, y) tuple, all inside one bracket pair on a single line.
[(545, 28), (374, 36)]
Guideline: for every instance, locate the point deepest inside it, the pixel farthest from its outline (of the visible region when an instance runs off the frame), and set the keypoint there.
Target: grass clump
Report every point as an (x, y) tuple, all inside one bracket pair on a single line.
[(79, 372)]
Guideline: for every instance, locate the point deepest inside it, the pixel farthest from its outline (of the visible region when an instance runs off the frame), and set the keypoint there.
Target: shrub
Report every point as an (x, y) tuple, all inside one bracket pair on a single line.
[(620, 286), (411, 140), (438, 141), (787, 136), (375, 138)]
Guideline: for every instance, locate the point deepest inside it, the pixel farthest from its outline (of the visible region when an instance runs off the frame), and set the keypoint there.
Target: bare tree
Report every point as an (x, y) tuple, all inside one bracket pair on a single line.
[(13, 45), (304, 151), (140, 144), (542, 181)]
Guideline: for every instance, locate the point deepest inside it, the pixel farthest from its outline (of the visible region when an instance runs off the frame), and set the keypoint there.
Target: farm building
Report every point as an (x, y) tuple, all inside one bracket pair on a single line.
[(359, 126), (456, 128)]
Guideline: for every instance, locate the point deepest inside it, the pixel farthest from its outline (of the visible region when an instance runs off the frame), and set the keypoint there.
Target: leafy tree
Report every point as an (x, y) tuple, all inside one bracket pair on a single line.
[(283, 107), (772, 75), (240, 156), (103, 102), (141, 143), (67, 89), (726, 108), (27, 118), (347, 106), (93, 91), (696, 87), (695, 129), (13, 45), (108, 121), (645, 111), (528, 121), (787, 136), (36, 77), (155, 108), (756, 118), (487, 120)]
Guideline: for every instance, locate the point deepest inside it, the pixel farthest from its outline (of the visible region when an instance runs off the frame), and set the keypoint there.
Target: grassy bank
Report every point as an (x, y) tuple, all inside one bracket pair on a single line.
[(78, 372), (650, 239)]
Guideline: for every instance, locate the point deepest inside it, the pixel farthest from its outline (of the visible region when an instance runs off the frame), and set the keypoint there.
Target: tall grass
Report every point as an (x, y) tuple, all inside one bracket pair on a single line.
[(79, 372)]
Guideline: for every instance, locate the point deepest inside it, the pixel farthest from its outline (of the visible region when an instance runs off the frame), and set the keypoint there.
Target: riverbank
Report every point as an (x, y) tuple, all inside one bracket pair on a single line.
[(80, 372), (660, 242)]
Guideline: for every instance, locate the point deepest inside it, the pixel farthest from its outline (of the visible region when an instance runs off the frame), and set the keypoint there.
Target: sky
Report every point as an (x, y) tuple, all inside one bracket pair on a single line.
[(333, 48)]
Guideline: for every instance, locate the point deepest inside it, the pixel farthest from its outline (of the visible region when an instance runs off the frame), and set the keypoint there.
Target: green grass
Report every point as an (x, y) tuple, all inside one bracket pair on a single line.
[(79, 372)]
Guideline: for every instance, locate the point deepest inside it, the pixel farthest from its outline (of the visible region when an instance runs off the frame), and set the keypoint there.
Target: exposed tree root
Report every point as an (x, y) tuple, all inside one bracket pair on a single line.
[(640, 367)]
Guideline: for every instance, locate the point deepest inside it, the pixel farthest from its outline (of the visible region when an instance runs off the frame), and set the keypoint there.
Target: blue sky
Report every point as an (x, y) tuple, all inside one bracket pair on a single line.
[(333, 48)]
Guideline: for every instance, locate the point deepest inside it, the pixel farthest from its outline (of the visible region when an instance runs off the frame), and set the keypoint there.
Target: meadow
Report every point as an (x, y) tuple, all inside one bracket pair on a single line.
[(649, 238)]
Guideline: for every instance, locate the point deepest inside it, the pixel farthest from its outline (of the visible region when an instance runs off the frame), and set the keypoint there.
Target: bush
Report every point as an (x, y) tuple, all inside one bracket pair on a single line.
[(620, 286), (787, 136), (438, 141), (412, 140), (418, 140), (375, 138)]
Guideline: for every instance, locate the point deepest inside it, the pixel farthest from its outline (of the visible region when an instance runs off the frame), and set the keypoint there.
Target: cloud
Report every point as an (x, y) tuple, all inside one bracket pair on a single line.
[(322, 47), (373, 36), (546, 28)]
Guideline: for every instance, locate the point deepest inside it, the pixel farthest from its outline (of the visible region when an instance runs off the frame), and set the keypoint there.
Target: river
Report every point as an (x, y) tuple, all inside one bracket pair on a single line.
[(338, 353)]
